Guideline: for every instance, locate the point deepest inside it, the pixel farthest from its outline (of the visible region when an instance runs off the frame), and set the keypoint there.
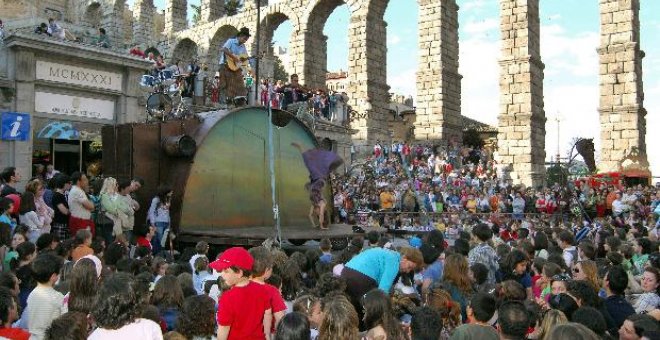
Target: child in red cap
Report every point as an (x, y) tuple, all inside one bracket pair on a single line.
[(244, 311)]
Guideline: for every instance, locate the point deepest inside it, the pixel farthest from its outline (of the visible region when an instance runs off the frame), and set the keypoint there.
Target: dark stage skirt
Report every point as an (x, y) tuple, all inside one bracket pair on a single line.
[(231, 83)]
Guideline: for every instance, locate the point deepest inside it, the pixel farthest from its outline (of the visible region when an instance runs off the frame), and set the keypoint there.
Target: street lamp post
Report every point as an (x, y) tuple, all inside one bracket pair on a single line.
[(558, 120), (256, 66), (271, 146)]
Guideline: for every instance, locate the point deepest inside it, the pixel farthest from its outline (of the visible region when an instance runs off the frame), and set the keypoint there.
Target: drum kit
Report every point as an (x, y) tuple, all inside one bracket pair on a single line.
[(164, 101)]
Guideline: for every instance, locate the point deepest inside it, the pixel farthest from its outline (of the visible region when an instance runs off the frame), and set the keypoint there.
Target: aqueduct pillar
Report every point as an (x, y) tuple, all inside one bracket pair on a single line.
[(367, 73), (622, 114), (521, 137), (143, 25), (176, 12), (212, 9), (438, 102)]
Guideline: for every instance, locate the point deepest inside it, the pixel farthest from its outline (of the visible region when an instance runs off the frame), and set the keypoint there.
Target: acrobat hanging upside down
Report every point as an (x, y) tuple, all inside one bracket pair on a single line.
[(319, 163)]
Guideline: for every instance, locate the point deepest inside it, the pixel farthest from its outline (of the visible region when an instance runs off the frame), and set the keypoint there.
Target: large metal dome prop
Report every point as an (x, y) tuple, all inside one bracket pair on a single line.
[(229, 182), (218, 164)]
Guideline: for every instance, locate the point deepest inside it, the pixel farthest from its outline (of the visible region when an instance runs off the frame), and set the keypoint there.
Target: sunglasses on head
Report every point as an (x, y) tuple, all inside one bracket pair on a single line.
[(561, 277)]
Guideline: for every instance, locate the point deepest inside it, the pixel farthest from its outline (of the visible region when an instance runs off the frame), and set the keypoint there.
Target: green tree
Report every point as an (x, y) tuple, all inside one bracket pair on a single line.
[(472, 139), (232, 6), (279, 73), (197, 14)]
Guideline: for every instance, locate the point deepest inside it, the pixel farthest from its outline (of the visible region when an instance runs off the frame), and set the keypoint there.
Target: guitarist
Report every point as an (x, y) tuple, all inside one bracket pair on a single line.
[(234, 85)]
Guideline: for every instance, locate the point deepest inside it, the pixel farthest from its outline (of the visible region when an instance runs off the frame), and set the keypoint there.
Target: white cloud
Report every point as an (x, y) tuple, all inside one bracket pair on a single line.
[(568, 54), (576, 105), (472, 5), (482, 26), (404, 82), (652, 105), (480, 84), (393, 39)]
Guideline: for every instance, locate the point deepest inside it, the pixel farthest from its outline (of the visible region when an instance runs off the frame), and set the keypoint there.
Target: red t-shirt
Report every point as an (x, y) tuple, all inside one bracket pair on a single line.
[(14, 334), (143, 242), (242, 309), (540, 205), (276, 302), (506, 235), (550, 207)]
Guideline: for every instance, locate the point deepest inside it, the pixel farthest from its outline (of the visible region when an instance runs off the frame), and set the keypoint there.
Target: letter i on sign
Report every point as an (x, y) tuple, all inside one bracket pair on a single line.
[(15, 126)]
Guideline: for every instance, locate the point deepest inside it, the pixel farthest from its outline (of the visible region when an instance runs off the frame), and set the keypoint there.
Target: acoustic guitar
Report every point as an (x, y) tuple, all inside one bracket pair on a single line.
[(242, 65)]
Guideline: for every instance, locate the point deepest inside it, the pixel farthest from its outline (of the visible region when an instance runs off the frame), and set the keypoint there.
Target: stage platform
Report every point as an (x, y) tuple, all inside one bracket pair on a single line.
[(254, 236)]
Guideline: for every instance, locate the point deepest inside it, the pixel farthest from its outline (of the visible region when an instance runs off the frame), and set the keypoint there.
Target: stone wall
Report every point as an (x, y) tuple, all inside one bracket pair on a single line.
[(521, 115), (367, 82), (212, 9), (622, 113), (176, 12), (143, 25), (521, 138)]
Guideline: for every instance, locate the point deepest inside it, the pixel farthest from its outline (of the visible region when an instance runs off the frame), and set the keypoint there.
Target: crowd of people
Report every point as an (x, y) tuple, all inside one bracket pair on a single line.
[(331, 105), (55, 30), (422, 180), (489, 260)]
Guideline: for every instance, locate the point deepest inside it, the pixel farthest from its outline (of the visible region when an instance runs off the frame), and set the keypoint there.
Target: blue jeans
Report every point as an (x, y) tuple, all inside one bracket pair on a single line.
[(160, 231)]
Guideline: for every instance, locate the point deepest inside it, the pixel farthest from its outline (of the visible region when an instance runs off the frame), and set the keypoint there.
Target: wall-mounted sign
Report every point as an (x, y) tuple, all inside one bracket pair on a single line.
[(15, 126), (59, 130), (62, 73), (65, 129), (74, 106)]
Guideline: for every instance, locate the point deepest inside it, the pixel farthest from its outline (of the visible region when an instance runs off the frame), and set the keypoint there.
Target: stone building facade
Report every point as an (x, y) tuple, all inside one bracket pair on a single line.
[(337, 81), (69, 90)]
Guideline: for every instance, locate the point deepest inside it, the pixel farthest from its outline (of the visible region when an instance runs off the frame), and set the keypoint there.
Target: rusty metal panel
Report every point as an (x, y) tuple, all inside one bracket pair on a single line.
[(174, 170), (109, 155), (124, 151), (146, 154), (168, 129), (146, 150)]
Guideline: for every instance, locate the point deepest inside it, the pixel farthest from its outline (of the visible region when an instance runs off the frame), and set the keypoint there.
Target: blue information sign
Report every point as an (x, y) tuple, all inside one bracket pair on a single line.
[(15, 126)]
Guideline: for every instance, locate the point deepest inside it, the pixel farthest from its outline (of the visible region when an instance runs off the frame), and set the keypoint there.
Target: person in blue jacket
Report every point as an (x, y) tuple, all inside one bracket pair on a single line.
[(377, 268)]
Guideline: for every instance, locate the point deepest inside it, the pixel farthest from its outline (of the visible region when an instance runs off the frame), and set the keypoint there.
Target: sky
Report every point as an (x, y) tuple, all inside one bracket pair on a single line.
[(569, 38)]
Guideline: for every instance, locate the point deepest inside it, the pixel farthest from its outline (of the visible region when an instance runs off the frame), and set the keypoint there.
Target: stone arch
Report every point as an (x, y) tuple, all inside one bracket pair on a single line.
[(152, 49), (269, 25), (113, 22), (221, 35), (311, 43), (185, 50), (272, 17), (327, 144), (318, 11)]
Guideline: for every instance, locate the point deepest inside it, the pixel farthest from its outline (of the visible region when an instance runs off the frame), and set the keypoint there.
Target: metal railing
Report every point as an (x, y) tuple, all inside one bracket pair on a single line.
[(362, 217)]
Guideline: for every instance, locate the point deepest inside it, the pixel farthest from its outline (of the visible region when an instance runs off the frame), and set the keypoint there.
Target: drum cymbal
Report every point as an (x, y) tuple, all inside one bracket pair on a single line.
[(159, 105)]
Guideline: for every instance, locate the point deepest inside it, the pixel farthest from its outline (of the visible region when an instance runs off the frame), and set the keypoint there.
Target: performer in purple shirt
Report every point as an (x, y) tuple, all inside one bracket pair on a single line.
[(320, 164)]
